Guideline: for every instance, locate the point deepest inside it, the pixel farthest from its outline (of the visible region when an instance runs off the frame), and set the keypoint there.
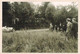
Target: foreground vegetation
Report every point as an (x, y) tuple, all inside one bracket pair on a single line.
[(38, 41)]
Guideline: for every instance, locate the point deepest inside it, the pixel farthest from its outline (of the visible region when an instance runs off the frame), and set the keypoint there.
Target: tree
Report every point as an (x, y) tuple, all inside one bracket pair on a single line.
[(43, 8), (49, 13), (6, 16), (73, 13), (23, 11)]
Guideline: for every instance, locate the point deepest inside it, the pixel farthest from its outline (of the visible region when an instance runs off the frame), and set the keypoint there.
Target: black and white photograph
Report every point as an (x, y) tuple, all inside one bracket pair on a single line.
[(39, 27)]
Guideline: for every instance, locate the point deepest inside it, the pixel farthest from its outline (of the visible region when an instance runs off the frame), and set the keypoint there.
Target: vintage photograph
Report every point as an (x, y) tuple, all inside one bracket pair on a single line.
[(40, 27)]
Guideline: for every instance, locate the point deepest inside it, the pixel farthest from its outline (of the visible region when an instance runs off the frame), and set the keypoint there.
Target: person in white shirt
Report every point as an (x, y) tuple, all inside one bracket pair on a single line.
[(69, 27)]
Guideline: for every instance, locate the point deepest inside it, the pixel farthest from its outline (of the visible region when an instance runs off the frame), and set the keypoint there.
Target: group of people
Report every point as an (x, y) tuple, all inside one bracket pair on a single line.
[(71, 27)]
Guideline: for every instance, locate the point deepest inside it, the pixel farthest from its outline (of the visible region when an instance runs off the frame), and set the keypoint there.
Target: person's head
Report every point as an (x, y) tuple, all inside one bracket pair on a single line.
[(68, 20), (73, 19)]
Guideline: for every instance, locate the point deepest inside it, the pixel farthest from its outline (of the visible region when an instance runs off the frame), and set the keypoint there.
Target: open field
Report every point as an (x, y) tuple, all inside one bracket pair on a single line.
[(38, 41)]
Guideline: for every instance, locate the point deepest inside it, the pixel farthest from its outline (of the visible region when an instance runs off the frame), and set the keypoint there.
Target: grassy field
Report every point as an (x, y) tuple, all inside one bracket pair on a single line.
[(38, 41)]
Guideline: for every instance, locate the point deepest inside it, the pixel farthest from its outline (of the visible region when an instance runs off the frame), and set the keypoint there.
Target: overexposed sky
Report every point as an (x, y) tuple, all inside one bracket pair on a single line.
[(54, 3)]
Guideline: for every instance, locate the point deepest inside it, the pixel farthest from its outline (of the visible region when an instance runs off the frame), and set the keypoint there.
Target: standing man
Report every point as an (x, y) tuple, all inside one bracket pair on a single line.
[(74, 27), (69, 27), (51, 27)]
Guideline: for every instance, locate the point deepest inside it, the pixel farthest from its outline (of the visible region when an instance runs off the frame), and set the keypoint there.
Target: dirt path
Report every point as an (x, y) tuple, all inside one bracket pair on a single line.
[(33, 30)]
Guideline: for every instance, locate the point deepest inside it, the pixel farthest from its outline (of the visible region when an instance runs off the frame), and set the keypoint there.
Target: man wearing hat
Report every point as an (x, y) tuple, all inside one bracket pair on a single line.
[(69, 26), (74, 27)]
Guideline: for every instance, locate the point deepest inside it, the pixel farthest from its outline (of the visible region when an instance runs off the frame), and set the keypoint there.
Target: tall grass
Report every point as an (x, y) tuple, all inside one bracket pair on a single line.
[(41, 41)]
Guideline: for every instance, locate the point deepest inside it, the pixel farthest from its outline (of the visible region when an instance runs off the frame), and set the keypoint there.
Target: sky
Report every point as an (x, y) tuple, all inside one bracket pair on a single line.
[(54, 3)]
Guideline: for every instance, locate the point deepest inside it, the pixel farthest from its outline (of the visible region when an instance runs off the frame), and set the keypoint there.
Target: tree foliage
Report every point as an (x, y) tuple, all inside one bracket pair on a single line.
[(6, 16), (35, 16)]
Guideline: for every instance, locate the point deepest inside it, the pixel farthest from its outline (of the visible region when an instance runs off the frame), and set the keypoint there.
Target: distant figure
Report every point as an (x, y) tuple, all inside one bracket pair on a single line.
[(69, 27), (64, 28), (74, 27), (56, 27), (51, 27), (60, 27), (15, 23)]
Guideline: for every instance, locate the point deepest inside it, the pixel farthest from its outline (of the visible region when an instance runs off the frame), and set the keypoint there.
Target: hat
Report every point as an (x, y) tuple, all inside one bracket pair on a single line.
[(74, 19), (68, 19)]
